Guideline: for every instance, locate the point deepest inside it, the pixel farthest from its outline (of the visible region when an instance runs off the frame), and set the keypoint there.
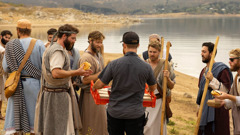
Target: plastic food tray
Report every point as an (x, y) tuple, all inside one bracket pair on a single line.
[(103, 101)]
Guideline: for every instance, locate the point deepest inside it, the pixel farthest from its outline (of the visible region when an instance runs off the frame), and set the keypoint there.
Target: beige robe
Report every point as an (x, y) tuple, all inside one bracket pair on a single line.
[(94, 117), (3, 76), (235, 108)]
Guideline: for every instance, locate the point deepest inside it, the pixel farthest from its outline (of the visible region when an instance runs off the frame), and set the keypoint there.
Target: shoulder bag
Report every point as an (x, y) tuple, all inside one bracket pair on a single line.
[(12, 81)]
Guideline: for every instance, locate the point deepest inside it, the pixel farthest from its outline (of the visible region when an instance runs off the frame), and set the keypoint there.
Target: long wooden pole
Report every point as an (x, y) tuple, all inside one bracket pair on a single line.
[(164, 84), (162, 44), (206, 88)]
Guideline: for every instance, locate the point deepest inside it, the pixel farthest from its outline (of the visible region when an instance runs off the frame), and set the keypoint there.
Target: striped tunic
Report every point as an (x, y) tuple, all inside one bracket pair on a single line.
[(30, 89)]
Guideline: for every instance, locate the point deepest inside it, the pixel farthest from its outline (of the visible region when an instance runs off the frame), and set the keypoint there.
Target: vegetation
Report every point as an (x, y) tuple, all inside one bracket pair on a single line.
[(216, 7), (143, 6)]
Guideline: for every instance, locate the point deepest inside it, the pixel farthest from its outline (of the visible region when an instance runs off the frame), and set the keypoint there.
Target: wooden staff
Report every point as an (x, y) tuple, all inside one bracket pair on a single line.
[(205, 88), (164, 84), (162, 44)]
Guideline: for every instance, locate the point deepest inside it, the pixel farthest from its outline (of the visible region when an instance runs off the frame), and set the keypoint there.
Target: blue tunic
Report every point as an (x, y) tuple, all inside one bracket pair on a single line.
[(31, 86)]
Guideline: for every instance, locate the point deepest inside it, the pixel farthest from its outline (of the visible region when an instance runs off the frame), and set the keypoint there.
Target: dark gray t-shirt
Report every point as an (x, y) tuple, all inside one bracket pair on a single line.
[(129, 75)]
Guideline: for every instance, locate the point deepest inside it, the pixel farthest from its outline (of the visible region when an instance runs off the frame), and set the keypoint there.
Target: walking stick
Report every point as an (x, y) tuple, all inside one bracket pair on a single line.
[(164, 84), (205, 88), (162, 44)]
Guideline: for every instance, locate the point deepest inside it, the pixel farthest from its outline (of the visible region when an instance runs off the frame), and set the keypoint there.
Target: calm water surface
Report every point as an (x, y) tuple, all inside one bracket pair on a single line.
[(185, 34)]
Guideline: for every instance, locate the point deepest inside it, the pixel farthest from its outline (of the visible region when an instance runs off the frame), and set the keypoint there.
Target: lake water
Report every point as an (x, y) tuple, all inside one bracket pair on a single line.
[(185, 34)]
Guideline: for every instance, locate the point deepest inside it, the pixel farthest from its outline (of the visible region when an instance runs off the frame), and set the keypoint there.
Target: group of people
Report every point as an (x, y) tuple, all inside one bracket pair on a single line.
[(215, 119), (46, 102)]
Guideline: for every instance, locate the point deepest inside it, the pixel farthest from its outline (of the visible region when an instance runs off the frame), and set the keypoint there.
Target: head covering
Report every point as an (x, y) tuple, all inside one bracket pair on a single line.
[(130, 38), (235, 53), (156, 36), (24, 24)]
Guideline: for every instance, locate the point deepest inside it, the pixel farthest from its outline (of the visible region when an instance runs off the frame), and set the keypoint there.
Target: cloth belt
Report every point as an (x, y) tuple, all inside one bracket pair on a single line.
[(158, 96), (55, 89)]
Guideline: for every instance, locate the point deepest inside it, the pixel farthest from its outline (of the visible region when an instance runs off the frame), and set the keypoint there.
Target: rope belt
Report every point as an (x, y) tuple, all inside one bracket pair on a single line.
[(56, 89)]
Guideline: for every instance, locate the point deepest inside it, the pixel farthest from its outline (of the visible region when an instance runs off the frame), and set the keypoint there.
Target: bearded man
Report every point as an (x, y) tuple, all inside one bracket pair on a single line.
[(93, 116), (214, 121), (57, 110), (232, 100), (5, 37), (157, 64)]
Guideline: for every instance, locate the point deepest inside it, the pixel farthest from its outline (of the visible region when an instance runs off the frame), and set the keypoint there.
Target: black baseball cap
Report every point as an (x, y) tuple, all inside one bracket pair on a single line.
[(130, 38)]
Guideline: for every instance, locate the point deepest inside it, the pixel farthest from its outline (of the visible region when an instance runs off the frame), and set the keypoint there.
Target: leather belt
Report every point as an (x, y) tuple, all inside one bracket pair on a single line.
[(26, 76), (158, 96), (55, 89)]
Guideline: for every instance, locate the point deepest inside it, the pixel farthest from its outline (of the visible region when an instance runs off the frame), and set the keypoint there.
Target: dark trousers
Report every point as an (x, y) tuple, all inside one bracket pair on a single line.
[(130, 126)]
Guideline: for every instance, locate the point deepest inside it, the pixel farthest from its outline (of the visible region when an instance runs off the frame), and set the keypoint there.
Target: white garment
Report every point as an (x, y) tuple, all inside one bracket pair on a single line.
[(56, 60), (153, 126), (230, 103), (2, 49)]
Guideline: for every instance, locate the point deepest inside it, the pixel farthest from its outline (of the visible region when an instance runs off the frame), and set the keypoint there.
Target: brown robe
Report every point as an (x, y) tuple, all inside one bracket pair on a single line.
[(94, 117), (221, 114)]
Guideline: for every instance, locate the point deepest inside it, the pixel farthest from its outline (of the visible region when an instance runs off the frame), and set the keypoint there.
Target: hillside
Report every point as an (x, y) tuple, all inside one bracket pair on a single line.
[(10, 13), (140, 6)]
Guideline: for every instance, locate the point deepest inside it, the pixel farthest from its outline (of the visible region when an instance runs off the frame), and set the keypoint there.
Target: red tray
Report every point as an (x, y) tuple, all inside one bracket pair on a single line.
[(104, 101)]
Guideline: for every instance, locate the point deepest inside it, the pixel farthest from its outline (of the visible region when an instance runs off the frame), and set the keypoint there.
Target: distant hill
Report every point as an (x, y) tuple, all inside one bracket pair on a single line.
[(38, 15), (139, 6)]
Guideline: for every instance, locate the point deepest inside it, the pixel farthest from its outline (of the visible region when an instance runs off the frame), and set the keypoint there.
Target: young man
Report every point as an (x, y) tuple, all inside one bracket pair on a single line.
[(125, 112), (155, 38), (157, 64), (20, 107), (57, 111), (51, 33), (4, 37), (232, 100), (214, 121), (93, 116)]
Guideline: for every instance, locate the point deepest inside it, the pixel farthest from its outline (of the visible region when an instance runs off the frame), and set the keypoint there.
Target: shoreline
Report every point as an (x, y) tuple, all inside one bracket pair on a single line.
[(186, 15)]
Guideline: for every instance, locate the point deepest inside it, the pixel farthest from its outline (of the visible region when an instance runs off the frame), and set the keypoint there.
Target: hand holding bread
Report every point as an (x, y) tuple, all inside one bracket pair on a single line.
[(86, 65), (216, 93)]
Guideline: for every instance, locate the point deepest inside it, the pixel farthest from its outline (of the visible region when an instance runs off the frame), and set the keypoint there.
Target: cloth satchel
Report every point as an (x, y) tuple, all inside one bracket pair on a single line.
[(12, 81)]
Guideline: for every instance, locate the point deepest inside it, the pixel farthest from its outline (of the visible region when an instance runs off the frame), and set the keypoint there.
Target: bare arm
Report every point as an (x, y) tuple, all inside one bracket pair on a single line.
[(226, 96), (170, 83), (98, 85), (87, 80), (59, 73), (152, 87)]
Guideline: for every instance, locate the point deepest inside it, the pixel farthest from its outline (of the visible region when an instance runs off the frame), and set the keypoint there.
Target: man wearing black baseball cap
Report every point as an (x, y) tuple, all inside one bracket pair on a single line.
[(125, 112)]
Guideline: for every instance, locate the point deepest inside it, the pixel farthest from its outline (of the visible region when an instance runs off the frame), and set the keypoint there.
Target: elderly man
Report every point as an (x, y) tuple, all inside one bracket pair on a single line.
[(4, 37), (20, 107)]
